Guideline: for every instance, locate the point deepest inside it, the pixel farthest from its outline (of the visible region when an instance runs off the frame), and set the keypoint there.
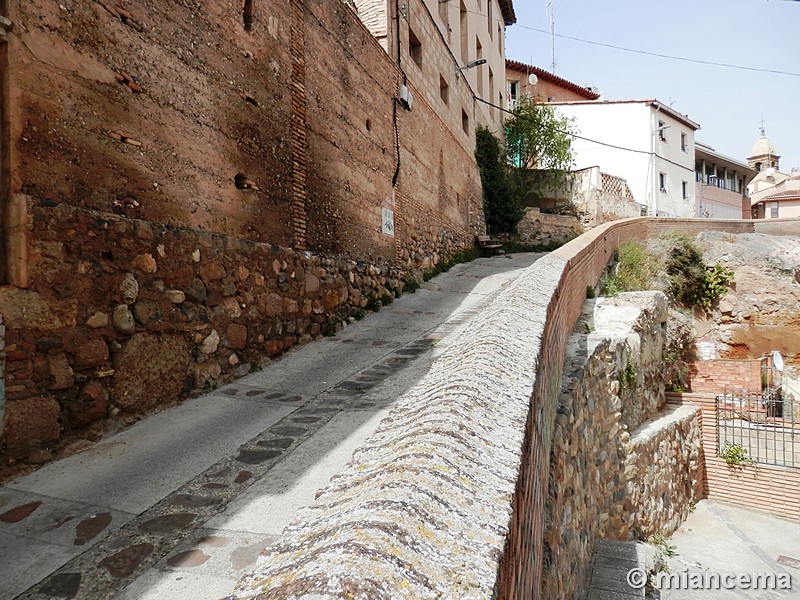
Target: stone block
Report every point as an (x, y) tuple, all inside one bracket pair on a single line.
[(150, 369), (31, 422), (26, 309), (237, 336), (92, 353), (91, 405)]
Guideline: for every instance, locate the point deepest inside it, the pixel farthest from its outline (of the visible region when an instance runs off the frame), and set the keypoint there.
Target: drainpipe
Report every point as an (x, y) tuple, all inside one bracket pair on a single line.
[(395, 100)]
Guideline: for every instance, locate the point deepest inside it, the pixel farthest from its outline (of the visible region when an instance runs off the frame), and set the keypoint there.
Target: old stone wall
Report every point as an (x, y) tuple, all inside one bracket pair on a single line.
[(545, 229), (2, 373), (414, 526), (621, 468), (136, 315), (200, 188)]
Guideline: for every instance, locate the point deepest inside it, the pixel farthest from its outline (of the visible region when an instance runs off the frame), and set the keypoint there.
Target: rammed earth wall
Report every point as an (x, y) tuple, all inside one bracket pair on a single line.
[(190, 189)]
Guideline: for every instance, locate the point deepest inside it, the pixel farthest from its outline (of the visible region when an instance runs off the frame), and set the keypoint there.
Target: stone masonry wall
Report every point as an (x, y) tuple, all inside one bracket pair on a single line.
[(2, 373), (136, 315), (616, 471), (164, 164), (546, 229)]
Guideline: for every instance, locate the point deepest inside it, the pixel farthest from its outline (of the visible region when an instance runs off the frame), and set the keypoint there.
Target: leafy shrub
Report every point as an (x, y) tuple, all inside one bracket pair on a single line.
[(692, 282), (502, 206), (634, 269), (736, 455)]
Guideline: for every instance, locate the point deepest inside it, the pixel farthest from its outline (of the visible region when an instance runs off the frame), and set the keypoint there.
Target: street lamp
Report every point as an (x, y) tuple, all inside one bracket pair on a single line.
[(473, 63)]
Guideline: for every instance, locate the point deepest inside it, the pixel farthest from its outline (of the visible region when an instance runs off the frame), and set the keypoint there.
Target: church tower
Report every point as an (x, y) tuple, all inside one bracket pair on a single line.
[(763, 156)]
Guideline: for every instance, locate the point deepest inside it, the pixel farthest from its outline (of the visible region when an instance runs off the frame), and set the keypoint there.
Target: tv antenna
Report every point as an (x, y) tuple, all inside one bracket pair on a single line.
[(552, 16)]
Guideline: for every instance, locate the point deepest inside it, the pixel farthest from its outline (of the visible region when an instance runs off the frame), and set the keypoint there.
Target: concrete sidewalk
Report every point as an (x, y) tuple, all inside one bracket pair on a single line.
[(179, 505), (720, 538)]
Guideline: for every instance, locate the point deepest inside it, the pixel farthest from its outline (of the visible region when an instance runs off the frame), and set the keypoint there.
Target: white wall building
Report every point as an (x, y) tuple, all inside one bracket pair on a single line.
[(643, 141)]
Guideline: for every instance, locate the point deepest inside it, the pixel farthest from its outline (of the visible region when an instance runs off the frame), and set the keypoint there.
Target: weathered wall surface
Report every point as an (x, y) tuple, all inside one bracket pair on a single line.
[(545, 229), (620, 467), (145, 112), (490, 400), (147, 313), (164, 164)]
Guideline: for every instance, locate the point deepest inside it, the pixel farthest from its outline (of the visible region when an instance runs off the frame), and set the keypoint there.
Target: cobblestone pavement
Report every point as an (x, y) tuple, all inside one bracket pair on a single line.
[(179, 505)]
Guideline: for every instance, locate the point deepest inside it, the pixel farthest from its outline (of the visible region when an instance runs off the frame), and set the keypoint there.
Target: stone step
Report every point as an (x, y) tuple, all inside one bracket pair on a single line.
[(612, 563)]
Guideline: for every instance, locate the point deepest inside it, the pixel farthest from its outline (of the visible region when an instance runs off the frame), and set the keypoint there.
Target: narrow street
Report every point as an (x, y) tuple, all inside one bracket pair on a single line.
[(180, 505)]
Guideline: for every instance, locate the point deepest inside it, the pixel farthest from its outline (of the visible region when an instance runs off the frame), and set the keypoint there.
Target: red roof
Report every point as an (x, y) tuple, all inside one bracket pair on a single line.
[(515, 65), (788, 195)]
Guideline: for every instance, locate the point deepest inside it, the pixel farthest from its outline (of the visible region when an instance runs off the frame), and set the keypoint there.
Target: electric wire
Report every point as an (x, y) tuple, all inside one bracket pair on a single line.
[(644, 52)]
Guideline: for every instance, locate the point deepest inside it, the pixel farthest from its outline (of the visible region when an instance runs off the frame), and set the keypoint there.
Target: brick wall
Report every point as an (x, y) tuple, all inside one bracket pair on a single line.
[(718, 376), (764, 487)]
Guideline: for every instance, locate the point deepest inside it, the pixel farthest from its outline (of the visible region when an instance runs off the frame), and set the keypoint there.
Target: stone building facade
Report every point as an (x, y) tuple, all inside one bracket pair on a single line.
[(188, 190)]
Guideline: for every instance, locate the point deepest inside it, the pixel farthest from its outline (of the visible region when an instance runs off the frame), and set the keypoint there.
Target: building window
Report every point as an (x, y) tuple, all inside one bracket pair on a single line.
[(684, 144), (464, 31), (464, 121), (661, 131), (479, 70), (662, 182), (491, 89), (444, 90), (489, 17), (513, 90), (415, 48), (685, 189), (773, 210)]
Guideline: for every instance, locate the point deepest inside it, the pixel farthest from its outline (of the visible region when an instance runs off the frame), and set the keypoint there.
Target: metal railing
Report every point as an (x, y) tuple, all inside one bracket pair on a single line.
[(766, 426)]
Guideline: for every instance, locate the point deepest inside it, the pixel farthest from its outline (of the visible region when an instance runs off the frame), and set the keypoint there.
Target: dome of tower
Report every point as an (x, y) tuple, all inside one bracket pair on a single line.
[(763, 147)]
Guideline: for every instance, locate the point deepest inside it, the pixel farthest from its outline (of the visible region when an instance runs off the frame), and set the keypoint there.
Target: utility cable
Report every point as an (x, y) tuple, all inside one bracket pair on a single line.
[(645, 52), (569, 133)]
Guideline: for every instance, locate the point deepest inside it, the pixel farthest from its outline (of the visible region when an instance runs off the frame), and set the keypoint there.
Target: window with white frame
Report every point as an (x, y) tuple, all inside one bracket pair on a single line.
[(773, 210), (684, 143), (685, 189), (662, 182), (662, 131)]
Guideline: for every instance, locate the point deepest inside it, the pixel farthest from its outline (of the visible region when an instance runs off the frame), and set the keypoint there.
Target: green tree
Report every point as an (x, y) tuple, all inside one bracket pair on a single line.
[(538, 138), (502, 207)]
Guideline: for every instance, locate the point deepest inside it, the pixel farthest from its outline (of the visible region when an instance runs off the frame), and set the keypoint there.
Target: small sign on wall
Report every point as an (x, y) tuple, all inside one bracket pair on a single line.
[(388, 221)]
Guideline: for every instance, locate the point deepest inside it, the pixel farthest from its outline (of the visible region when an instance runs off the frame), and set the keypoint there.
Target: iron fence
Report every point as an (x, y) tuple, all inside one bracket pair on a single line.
[(765, 426)]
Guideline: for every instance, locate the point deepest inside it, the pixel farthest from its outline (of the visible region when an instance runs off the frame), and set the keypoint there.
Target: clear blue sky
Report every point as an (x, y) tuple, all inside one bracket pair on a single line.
[(727, 103)]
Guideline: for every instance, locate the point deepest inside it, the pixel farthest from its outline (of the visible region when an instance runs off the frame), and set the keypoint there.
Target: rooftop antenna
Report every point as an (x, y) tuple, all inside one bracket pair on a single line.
[(551, 10), (762, 125)]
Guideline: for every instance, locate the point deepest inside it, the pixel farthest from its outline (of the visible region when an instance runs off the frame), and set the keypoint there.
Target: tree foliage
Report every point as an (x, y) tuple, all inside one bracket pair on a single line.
[(693, 283), (502, 206), (538, 138)]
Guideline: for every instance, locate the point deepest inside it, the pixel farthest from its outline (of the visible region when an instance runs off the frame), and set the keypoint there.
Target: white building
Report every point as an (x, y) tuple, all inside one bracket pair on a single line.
[(643, 141)]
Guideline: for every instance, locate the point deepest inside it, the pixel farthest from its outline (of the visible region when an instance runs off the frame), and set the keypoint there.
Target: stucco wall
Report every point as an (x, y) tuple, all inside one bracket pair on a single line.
[(631, 125)]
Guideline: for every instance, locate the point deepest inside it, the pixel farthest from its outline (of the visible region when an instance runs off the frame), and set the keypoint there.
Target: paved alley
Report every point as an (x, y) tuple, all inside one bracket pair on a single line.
[(180, 505)]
